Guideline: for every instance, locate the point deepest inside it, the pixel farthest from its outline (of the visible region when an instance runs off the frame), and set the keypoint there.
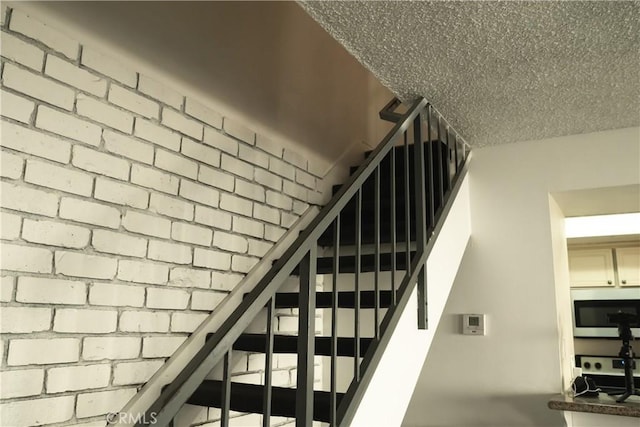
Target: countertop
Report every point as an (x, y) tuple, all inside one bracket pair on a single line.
[(603, 404)]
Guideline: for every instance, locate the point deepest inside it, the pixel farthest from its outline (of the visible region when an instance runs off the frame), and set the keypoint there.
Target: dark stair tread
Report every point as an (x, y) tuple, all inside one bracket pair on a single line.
[(345, 299), (256, 343), (248, 398), (347, 263)]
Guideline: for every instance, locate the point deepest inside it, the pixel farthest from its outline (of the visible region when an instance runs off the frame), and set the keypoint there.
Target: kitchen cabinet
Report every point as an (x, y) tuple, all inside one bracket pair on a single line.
[(604, 266), (628, 261), (591, 267)]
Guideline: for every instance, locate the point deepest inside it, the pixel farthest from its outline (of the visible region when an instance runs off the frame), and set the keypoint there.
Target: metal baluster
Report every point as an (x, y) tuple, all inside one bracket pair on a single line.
[(306, 338), (430, 177), (226, 390), (266, 403), (455, 146), (393, 226), (376, 284), (334, 322), (421, 217), (438, 162), (356, 298), (407, 205), (448, 162)]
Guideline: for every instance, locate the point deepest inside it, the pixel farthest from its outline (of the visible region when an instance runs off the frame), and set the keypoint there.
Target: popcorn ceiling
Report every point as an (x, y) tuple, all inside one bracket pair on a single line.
[(501, 71)]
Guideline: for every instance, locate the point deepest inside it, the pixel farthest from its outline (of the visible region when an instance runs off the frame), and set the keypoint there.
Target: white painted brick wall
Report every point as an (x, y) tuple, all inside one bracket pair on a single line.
[(186, 322), (71, 378), (200, 152), (213, 217), (176, 299), (146, 224), (71, 127), (26, 258), (118, 243), (117, 295), (189, 277), (43, 351), (111, 348), (85, 321), (42, 290), (128, 147), (38, 87), (24, 382), (15, 107), (35, 29), (103, 113), (191, 234), (199, 193), (131, 101), (102, 402), (21, 52), (182, 124), (121, 194), (142, 272), (201, 112), (37, 411), (24, 320), (127, 209), (161, 346), (89, 212), (36, 143), (11, 166), (157, 134), (83, 265), (7, 284), (230, 242), (170, 252), (152, 178), (108, 66), (220, 141), (176, 164), (160, 92), (216, 178), (55, 234), (135, 372), (64, 179), (69, 73), (100, 163), (10, 226), (142, 321)]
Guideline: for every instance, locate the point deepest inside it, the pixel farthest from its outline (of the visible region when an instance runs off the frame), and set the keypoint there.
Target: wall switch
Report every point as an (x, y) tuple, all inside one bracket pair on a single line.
[(473, 324)]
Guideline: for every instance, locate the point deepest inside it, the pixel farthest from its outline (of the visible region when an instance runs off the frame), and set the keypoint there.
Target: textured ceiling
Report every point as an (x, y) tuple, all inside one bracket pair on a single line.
[(501, 71)]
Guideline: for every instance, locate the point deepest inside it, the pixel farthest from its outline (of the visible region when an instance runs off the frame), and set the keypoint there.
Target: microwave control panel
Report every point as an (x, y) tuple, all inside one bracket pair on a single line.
[(602, 365)]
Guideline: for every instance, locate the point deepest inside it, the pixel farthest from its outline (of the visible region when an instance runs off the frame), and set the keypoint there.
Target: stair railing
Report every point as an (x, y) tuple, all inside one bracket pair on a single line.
[(433, 195)]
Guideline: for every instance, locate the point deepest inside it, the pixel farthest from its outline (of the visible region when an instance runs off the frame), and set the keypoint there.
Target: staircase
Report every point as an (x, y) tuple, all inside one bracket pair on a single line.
[(379, 222)]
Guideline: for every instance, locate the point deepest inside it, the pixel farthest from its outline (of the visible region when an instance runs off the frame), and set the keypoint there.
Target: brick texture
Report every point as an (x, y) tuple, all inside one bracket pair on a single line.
[(128, 212)]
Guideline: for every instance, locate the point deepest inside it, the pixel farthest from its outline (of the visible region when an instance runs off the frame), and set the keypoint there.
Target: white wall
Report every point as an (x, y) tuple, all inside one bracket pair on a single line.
[(505, 378)]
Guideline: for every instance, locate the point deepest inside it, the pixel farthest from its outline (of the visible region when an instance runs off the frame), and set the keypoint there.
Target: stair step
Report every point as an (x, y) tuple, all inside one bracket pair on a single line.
[(345, 299), (347, 263), (256, 343), (248, 398)]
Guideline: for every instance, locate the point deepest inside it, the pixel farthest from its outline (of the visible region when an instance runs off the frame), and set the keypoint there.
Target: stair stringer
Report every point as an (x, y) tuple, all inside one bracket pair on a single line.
[(387, 396)]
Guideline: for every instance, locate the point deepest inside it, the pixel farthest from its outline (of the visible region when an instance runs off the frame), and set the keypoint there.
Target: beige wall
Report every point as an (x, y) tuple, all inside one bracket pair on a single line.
[(508, 273), (266, 63)]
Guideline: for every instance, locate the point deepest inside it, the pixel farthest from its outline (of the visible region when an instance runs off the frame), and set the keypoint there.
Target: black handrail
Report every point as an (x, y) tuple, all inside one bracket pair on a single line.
[(303, 252)]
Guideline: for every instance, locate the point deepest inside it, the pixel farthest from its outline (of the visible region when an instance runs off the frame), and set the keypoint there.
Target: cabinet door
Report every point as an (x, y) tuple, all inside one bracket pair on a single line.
[(591, 267), (628, 266)]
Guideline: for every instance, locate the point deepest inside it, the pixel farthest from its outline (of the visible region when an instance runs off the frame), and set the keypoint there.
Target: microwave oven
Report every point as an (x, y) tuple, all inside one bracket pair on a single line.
[(591, 307)]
